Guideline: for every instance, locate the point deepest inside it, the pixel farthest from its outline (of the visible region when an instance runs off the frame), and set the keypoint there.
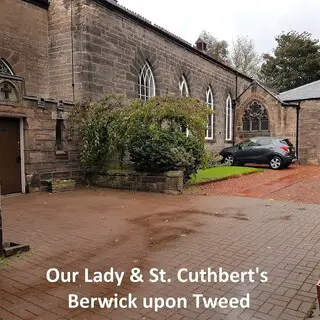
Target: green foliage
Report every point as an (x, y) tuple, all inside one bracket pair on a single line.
[(164, 112), (3, 262), (150, 131), (210, 160), (295, 62), (92, 123), (154, 149), (218, 49), (220, 173)]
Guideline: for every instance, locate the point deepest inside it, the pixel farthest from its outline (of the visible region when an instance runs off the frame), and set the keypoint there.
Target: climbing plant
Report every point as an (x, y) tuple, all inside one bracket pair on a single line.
[(163, 133)]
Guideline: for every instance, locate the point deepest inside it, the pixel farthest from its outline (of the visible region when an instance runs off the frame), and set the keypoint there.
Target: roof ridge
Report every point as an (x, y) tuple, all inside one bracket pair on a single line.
[(303, 86)]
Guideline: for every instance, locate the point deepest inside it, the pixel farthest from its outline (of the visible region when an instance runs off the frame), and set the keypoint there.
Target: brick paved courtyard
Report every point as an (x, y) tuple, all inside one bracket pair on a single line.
[(297, 183), (99, 229)]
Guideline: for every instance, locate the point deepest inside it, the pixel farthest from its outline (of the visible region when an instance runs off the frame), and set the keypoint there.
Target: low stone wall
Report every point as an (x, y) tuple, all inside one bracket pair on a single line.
[(170, 182)]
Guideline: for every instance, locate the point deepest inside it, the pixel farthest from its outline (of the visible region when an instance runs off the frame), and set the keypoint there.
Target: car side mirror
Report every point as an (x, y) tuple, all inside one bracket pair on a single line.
[(240, 147)]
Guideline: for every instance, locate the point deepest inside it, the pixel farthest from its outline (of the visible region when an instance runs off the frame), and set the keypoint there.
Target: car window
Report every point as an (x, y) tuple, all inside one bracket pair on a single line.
[(248, 143), (287, 142), (265, 142), (254, 144), (245, 143)]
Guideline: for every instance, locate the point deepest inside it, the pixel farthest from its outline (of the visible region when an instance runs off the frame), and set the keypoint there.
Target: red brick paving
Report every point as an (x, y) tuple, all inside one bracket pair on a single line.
[(99, 229), (297, 183)]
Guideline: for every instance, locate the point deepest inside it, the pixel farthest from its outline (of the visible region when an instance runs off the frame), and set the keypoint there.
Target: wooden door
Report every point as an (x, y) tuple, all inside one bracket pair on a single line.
[(10, 161)]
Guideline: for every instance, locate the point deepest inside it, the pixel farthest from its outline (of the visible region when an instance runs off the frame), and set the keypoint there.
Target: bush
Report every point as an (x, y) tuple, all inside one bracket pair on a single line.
[(92, 124), (160, 150), (150, 131)]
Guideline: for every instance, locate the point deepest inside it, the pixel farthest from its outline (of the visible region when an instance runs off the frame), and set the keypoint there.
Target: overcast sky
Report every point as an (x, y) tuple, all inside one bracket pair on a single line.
[(225, 19)]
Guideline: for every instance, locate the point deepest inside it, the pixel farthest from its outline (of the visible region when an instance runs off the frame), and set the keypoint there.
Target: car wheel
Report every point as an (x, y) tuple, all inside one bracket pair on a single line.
[(276, 163), (229, 160)]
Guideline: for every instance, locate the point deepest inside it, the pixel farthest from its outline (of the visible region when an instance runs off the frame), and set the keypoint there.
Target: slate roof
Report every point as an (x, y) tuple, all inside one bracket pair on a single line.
[(306, 92)]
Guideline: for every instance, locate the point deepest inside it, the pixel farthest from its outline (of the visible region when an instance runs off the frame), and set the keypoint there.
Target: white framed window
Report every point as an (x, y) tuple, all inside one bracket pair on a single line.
[(183, 87), (184, 92), (147, 87), (229, 119), (210, 104)]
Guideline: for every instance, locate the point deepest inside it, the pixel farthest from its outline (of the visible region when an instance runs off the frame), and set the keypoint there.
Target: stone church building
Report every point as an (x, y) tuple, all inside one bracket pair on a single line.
[(54, 53)]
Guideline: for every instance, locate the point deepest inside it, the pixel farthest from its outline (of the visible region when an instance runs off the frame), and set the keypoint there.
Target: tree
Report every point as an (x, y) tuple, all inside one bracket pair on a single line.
[(215, 48), (243, 56), (294, 62)]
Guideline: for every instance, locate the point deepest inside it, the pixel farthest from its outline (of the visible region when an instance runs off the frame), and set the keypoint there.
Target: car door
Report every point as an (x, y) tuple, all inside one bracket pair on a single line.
[(261, 151), (244, 151)]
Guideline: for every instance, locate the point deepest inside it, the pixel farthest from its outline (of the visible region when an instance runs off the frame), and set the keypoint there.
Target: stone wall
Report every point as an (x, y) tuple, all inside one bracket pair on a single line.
[(309, 132), (24, 43), (117, 47), (42, 159), (62, 19), (282, 119), (170, 182)]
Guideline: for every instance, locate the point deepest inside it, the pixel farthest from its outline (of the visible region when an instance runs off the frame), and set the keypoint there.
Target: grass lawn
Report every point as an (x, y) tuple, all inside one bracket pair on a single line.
[(219, 173)]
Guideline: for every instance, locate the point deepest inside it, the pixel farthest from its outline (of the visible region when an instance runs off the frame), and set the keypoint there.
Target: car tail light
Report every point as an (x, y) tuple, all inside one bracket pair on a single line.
[(286, 149)]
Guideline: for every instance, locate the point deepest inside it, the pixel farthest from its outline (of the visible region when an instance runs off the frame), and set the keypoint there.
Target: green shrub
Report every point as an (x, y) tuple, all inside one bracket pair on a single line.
[(92, 124), (150, 131), (159, 150)]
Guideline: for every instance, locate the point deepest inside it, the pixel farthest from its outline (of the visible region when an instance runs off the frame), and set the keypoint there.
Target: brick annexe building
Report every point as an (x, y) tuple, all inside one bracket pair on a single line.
[(54, 53)]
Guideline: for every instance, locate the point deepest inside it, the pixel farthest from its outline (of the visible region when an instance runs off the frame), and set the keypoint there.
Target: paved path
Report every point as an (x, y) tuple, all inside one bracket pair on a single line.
[(297, 183), (99, 229)]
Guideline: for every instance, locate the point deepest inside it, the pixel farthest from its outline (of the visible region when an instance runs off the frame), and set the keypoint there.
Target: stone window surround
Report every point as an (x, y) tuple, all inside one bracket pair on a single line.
[(260, 115), (183, 86), (210, 104), (228, 119), (147, 88)]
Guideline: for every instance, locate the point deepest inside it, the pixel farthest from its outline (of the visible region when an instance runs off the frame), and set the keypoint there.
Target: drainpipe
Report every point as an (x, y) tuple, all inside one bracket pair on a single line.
[(234, 104), (72, 48), (297, 131)]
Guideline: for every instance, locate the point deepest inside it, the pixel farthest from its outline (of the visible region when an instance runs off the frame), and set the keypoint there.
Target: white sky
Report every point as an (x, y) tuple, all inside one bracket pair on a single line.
[(261, 20)]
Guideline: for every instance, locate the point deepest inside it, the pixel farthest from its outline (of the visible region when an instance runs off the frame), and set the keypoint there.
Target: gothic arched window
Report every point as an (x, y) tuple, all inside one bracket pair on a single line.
[(5, 68), (255, 117), (229, 119), (147, 88), (210, 104), (183, 87)]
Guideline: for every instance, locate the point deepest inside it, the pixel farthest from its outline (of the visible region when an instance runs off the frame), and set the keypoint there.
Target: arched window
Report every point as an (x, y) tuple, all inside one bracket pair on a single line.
[(210, 104), (147, 88), (229, 119), (183, 87), (255, 117), (5, 68)]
